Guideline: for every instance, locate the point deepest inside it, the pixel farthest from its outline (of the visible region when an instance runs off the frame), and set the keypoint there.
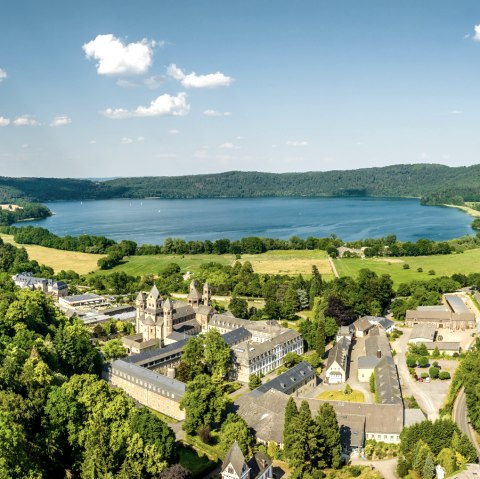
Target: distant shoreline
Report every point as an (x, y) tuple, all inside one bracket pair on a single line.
[(466, 209)]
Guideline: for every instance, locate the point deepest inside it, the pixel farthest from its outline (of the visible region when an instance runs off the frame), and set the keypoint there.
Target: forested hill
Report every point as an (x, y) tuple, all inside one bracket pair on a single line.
[(434, 183)]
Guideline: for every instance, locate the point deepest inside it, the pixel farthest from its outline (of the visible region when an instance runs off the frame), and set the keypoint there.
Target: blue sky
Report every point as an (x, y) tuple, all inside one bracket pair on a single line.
[(123, 88)]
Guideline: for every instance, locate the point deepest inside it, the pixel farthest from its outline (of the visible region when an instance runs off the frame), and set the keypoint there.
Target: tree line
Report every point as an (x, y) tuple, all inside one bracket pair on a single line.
[(26, 211), (433, 182)]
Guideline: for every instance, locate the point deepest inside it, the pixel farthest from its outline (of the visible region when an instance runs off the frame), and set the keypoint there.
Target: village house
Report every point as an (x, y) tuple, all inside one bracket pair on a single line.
[(337, 362), (236, 467)]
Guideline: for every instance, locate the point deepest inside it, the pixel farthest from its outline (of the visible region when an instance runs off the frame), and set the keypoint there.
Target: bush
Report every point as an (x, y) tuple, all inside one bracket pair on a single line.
[(424, 375), (431, 272), (420, 270), (434, 372), (411, 361), (348, 390), (422, 362), (444, 375), (406, 266), (355, 471)]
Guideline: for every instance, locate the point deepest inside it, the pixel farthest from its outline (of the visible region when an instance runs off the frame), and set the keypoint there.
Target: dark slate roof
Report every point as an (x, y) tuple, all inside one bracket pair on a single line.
[(235, 458), (423, 331), (236, 336), (258, 464), (386, 323), (288, 381), (157, 354), (456, 303), (362, 324), (157, 382), (388, 386), (339, 353), (367, 362)]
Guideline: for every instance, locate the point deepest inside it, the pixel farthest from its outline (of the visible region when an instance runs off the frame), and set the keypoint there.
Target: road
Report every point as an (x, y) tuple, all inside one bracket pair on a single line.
[(460, 417), (415, 388), (386, 467)]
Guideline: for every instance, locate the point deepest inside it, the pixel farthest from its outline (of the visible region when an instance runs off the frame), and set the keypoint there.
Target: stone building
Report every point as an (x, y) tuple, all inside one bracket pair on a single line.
[(153, 390), (170, 321), (58, 289), (453, 314)]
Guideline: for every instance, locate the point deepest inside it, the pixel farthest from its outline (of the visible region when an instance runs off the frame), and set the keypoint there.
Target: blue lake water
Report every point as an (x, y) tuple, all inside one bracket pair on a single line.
[(153, 220)]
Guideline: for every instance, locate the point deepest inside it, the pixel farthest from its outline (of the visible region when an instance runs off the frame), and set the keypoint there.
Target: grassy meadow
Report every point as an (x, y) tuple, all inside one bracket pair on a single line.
[(82, 263), (290, 262), (271, 262), (443, 265)]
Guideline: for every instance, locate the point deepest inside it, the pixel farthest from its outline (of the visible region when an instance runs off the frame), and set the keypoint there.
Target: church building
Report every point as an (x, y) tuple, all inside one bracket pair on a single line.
[(169, 321)]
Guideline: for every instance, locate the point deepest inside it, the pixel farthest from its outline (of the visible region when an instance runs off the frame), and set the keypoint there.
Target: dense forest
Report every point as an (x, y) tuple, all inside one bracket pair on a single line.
[(24, 211), (434, 183)]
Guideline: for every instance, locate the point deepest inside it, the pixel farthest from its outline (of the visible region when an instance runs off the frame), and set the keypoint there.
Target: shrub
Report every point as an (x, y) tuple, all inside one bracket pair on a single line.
[(348, 389), (424, 375), (420, 270), (411, 360), (422, 362), (434, 372), (406, 266), (444, 375), (355, 471), (431, 272)]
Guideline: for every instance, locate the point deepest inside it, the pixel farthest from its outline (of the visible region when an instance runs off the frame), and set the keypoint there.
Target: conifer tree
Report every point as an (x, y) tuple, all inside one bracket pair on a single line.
[(421, 456), (291, 413), (316, 286), (329, 429), (428, 471)]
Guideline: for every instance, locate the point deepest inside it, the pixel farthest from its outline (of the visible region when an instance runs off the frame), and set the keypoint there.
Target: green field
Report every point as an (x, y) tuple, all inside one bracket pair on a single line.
[(140, 265), (271, 262), (443, 265)]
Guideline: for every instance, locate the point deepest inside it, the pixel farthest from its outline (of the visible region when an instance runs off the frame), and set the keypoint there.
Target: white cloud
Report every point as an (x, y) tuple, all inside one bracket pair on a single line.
[(61, 120), (192, 80), (161, 106), (229, 146), (25, 120), (173, 132), (216, 113), (456, 112), (126, 141), (117, 58), (3, 74), (152, 82), (476, 36), (296, 143), (140, 139), (4, 121)]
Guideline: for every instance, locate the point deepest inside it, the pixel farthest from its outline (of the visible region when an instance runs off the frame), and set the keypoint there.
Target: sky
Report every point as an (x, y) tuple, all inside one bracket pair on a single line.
[(94, 89)]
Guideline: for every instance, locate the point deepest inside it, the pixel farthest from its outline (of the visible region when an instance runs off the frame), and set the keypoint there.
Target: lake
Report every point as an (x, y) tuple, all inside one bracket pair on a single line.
[(153, 220)]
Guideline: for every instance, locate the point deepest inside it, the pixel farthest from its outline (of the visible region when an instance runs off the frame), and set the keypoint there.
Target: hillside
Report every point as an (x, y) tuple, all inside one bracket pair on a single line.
[(434, 183)]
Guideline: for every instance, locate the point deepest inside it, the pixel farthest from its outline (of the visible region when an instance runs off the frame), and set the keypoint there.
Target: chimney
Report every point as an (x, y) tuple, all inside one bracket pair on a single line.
[(379, 353)]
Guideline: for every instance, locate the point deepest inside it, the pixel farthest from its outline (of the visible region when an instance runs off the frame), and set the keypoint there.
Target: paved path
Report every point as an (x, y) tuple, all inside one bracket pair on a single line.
[(460, 417), (415, 388), (334, 268), (386, 468)]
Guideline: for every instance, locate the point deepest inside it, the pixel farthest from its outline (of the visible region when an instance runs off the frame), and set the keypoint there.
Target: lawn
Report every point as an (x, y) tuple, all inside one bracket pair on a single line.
[(153, 264), (197, 463), (354, 396), (290, 262), (82, 263), (443, 265)]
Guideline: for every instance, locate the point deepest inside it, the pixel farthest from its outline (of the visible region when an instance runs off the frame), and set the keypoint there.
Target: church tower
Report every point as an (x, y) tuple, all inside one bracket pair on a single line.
[(167, 318), (194, 297), (207, 295), (140, 307)]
